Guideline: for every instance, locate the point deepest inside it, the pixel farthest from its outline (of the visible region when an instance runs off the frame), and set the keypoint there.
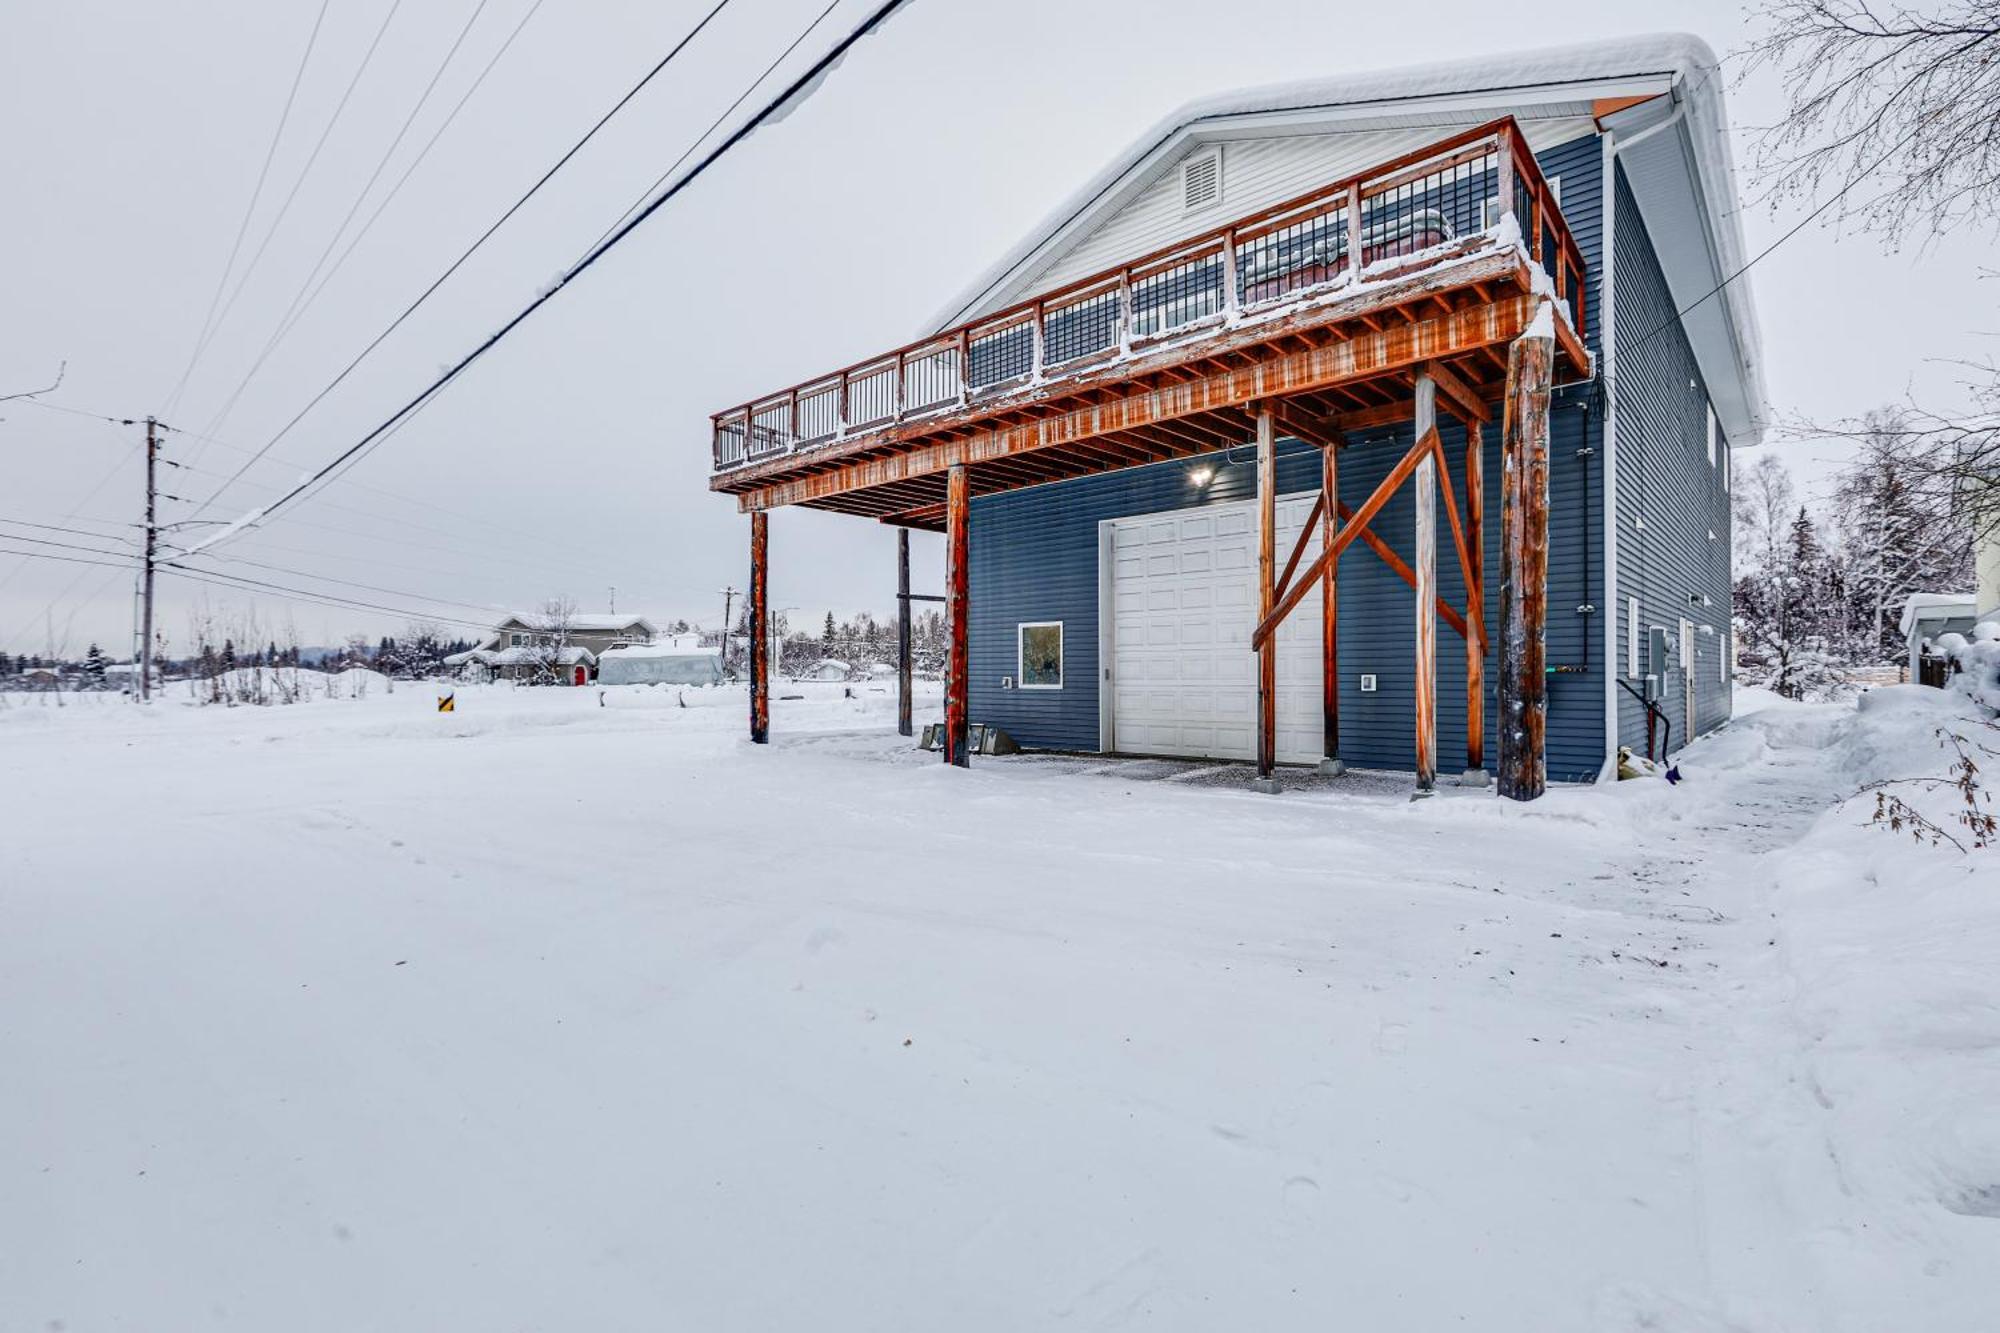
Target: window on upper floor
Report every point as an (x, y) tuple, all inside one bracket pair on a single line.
[(1711, 434)]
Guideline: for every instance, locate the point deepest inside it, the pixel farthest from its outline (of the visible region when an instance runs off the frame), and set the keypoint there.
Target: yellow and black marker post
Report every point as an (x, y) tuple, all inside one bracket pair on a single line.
[(447, 702)]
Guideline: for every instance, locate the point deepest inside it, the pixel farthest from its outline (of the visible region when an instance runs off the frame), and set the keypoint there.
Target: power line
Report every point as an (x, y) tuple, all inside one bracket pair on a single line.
[(1750, 263), (727, 111), (53, 527), (278, 220), (67, 546), (360, 197), (219, 578), (249, 211), (90, 495), (470, 250), (804, 84), (328, 578), (80, 412)]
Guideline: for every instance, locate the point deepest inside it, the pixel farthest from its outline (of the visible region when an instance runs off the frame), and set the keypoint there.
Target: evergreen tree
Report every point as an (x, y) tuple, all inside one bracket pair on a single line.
[(828, 640), (1902, 530), (94, 664)]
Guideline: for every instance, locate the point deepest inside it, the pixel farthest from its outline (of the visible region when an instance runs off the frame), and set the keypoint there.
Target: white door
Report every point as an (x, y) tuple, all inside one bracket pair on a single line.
[(1183, 588)]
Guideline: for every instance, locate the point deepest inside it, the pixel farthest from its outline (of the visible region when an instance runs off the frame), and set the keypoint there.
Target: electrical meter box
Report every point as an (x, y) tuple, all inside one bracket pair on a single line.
[(1656, 660)]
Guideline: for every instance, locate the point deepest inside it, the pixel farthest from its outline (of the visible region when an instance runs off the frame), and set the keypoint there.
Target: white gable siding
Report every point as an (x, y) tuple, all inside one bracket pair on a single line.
[(1257, 174)]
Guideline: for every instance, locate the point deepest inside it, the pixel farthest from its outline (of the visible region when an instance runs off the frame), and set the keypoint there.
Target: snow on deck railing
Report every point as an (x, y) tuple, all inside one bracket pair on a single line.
[(1483, 180)]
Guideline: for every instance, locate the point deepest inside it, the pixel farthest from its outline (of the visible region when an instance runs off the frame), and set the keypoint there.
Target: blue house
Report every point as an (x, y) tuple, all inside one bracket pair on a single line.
[(1380, 421)]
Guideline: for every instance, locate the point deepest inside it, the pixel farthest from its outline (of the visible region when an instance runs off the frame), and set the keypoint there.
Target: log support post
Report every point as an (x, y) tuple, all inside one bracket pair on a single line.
[(1426, 570), (958, 667), (1524, 562), (1329, 613), (760, 630), (904, 725), (1475, 608), (1267, 597)]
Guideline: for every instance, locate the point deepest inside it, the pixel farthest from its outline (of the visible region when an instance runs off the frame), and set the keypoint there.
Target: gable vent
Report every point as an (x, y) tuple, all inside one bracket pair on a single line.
[(1201, 180)]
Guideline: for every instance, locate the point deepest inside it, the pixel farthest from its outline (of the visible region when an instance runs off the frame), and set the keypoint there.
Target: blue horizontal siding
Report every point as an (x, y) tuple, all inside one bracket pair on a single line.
[(1034, 557), (1666, 480)]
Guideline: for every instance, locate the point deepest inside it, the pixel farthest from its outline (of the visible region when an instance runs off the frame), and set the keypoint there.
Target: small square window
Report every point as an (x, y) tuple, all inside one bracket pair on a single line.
[(1040, 649)]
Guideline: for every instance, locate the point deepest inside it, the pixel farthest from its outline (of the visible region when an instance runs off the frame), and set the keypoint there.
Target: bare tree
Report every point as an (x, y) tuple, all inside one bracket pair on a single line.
[(1907, 99), (1906, 102), (555, 626), (37, 393)]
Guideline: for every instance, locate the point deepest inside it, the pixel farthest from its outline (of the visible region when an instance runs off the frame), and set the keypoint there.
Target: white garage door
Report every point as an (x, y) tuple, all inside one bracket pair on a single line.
[(1183, 601)]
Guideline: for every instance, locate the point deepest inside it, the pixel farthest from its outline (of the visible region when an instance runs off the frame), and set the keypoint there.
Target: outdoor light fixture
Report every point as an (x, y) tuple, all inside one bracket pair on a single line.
[(1201, 476)]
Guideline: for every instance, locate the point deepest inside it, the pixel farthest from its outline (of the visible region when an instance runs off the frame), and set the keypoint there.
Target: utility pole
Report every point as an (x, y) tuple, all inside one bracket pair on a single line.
[(152, 541), (722, 648)]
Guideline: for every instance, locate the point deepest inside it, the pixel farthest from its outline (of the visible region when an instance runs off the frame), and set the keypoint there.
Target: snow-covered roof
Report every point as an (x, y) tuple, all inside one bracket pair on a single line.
[(659, 650), (1461, 92), (588, 623), (522, 656), (1936, 608)]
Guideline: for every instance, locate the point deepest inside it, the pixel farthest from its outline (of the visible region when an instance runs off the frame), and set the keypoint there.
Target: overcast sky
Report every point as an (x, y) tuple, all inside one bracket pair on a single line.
[(575, 458)]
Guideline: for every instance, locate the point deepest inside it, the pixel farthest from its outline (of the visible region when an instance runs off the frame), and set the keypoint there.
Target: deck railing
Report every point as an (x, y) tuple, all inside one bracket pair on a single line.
[(1461, 186)]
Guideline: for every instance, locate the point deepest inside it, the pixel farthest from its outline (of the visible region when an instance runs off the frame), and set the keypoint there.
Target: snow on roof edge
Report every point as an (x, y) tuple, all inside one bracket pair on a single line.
[(1672, 55), (1943, 605)]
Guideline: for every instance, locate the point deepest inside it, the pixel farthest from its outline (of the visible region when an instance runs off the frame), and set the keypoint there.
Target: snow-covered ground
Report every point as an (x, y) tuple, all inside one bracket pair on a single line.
[(553, 1013)]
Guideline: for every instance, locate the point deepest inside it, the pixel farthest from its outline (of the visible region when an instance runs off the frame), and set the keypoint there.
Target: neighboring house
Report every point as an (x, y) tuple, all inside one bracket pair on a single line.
[(570, 665), (518, 647), (594, 632), (827, 668), (1128, 425)]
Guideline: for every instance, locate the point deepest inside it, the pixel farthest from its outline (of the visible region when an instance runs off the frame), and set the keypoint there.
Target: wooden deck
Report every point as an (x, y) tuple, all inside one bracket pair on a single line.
[(1442, 282), (1272, 313)]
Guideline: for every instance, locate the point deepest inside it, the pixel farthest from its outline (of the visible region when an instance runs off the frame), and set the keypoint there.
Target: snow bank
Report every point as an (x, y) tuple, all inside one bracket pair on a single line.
[(1887, 950), (1978, 661)]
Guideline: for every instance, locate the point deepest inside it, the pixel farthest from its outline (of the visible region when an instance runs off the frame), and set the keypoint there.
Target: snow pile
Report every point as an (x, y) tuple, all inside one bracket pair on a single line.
[(1978, 661), (1887, 949)]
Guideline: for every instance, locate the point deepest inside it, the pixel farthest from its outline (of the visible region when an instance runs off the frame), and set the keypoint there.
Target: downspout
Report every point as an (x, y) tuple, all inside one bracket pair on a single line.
[(1607, 324)]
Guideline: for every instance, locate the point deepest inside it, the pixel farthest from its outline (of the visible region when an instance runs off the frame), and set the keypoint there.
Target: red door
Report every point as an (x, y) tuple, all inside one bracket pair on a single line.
[(582, 674)]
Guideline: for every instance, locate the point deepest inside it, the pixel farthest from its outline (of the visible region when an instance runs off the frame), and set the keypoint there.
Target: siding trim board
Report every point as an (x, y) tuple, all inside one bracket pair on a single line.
[(1607, 323)]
